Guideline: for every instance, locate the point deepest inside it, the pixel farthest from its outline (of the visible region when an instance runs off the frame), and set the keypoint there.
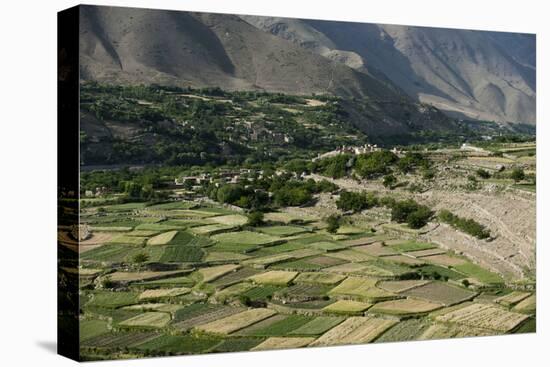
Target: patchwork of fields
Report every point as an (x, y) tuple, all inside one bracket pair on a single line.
[(182, 279)]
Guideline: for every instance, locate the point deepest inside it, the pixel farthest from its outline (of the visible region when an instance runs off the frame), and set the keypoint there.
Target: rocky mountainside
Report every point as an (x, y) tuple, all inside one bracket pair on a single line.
[(142, 46), (473, 74)]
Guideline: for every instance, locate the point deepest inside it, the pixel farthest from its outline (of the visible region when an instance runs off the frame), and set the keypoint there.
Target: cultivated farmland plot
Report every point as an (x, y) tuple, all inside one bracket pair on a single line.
[(355, 330), (512, 298), (347, 307), (163, 293), (148, 320), (404, 307), (210, 286), (236, 322), (274, 277), (440, 292), (444, 331), (162, 239), (202, 313), (484, 316), (284, 343), (214, 272), (283, 231), (528, 305), (319, 278)]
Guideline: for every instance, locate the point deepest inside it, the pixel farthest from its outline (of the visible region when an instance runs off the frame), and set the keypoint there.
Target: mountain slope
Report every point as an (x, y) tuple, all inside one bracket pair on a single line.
[(480, 75), (135, 46)]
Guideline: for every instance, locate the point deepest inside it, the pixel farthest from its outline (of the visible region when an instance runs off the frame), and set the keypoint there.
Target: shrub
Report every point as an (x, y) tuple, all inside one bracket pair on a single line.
[(387, 201), (517, 174), (389, 181), (428, 174), (326, 186), (483, 173)]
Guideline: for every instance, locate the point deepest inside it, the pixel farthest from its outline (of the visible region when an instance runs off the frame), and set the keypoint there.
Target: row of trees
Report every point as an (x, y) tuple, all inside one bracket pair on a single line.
[(404, 211), (369, 165), (278, 191), (469, 226)]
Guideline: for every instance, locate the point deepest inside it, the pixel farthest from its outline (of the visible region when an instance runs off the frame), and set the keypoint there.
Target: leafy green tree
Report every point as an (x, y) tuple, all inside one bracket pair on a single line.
[(356, 201), (228, 194), (140, 258), (412, 213), (294, 196), (335, 167), (132, 189), (333, 223), (419, 218), (297, 166), (517, 174), (255, 218), (374, 164)]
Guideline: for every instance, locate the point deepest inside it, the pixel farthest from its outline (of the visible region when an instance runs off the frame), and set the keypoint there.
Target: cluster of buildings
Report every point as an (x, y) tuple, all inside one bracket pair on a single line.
[(98, 192), (355, 150), (220, 177)]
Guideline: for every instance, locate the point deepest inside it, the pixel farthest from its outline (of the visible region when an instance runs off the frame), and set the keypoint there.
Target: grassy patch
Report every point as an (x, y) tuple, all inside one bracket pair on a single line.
[(317, 326), (413, 246), (148, 320), (112, 299), (479, 273), (162, 239), (245, 238), (182, 254), (282, 231), (92, 328), (282, 327), (437, 272)]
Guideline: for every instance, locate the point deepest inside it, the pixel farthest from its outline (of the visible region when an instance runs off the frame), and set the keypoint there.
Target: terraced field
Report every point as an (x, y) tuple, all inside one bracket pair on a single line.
[(208, 283)]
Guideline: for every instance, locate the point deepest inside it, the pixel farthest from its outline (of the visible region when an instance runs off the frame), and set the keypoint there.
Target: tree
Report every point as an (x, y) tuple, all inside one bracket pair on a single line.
[(419, 218), (333, 222), (335, 167), (132, 189), (374, 164), (410, 212), (355, 201), (255, 219), (140, 258), (389, 181), (517, 174)]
